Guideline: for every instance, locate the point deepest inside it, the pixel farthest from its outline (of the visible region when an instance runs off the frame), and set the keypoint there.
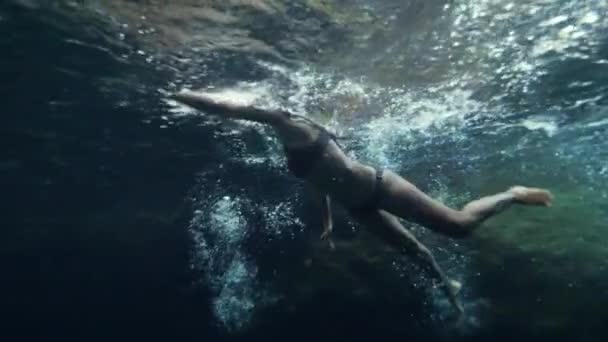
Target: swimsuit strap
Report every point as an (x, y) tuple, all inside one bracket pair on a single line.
[(377, 194), (379, 175)]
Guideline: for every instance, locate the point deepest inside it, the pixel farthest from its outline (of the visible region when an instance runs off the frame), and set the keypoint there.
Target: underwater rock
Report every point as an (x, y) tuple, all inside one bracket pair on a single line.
[(265, 27)]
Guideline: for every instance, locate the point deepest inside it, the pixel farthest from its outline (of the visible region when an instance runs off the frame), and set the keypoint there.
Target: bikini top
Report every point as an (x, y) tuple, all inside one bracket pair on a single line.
[(301, 160)]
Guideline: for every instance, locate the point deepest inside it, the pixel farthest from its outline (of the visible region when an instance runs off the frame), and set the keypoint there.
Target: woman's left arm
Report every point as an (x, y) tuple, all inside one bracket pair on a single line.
[(327, 219), (229, 110)]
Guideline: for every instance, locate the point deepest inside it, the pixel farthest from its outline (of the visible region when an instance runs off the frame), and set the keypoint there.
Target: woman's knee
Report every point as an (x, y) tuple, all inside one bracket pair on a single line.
[(459, 225)]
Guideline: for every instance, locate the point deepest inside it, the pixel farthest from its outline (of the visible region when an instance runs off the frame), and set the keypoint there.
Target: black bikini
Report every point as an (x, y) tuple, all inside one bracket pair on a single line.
[(301, 161)]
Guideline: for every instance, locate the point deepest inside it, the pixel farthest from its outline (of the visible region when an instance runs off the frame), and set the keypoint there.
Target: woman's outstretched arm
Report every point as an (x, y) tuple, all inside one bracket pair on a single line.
[(229, 110), (327, 220)]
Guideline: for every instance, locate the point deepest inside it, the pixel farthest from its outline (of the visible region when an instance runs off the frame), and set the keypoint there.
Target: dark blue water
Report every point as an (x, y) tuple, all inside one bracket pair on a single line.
[(125, 217)]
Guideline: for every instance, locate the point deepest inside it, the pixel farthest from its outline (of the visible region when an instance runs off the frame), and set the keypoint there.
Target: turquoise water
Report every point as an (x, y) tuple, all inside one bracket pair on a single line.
[(117, 188)]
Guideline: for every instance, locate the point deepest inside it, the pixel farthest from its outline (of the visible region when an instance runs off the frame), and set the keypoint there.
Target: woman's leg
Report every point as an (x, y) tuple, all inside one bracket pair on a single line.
[(405, 200), (388, 227)]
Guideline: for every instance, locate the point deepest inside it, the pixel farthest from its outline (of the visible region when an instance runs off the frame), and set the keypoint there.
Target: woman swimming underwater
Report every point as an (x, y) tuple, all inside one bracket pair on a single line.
[(374, 197)]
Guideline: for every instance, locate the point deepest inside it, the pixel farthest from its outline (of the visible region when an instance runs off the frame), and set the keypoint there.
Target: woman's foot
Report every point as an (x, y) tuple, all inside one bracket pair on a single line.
[(455, 285), (531, 196)]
